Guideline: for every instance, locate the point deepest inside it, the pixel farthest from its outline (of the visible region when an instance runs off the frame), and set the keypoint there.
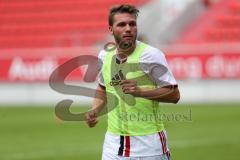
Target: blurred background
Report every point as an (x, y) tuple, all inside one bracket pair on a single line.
[(201, 41)]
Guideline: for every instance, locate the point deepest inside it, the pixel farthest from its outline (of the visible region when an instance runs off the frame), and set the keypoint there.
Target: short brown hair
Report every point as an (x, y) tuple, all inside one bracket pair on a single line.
[(124, 8)]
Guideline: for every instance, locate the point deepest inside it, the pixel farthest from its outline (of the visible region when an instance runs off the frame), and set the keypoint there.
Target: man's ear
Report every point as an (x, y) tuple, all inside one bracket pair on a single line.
[(110, 28)]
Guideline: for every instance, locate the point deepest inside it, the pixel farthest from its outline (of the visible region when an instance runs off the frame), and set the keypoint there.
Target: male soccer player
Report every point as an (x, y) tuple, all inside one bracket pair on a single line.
[(139, 76)]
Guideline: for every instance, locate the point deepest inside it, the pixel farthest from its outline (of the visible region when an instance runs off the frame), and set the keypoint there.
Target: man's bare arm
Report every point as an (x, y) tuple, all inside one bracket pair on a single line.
[(167, 94), (98, 104), (100, 99)]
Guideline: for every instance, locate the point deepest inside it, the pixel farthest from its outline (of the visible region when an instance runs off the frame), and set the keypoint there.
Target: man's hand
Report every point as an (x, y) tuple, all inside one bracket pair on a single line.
[(91, 118), (130, 87)]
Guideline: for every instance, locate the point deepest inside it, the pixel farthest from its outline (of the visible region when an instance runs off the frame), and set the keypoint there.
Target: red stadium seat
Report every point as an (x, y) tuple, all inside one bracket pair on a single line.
[(235, 7), (47, 23), (223, 35), (217, 24), (228, 21)]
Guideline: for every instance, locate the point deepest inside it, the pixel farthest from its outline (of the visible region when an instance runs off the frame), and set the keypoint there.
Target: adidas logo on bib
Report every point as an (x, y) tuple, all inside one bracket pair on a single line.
[(117, 78)]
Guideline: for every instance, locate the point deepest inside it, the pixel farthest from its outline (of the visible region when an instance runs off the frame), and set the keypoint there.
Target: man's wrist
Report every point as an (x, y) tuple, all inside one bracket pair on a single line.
[(139, 92)]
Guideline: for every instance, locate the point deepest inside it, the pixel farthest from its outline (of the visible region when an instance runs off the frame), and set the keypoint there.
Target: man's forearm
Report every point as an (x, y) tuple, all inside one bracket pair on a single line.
[(99, 100), (168, 94)]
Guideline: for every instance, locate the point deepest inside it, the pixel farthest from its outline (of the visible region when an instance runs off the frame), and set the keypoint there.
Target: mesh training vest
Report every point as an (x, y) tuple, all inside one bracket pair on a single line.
[(128, 115)]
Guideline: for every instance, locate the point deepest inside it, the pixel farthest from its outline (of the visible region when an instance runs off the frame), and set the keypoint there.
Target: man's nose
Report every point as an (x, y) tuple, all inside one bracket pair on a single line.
[(128, 28)]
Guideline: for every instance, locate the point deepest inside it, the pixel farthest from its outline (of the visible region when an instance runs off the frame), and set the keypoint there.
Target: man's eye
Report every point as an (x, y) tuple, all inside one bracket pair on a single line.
[(132, 24), (121, 24)]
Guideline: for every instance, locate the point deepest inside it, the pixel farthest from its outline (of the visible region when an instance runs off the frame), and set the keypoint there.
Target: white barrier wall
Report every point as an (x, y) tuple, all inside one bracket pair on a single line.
[(208, 91)]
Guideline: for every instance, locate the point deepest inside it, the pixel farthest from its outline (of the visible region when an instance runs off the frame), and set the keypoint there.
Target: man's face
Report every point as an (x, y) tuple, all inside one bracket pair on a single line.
[(124, 27)]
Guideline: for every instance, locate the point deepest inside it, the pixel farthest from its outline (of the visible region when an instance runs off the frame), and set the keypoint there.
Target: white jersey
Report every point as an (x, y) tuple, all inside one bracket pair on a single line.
[(152, 62)]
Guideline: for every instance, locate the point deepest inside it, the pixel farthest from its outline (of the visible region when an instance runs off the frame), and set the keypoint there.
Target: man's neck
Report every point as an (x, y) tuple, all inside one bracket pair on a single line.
[(123, 53)]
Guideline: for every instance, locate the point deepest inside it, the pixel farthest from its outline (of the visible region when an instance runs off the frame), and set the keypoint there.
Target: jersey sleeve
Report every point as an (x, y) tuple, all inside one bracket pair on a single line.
[(101, 57), (154, 63)]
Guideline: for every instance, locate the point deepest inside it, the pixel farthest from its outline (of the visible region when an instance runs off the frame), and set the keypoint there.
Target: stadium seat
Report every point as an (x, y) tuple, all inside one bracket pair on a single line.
[(31, 23), (228, 21), (217, 24), (235, 7), (224, 35)]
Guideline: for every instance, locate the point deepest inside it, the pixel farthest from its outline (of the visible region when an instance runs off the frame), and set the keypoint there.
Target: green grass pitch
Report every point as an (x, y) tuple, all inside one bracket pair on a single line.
[(195, 132)]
